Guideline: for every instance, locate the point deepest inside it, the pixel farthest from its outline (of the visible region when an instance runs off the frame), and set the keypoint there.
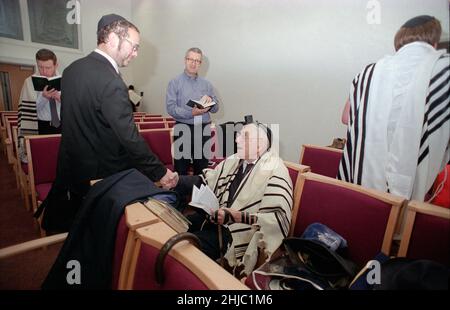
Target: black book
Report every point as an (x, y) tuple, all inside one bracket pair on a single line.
[(39, 82), (199, 104)]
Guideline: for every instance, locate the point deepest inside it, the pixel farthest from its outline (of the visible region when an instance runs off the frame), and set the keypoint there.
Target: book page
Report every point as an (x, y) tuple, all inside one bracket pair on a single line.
[(204, 104), (204, 198)]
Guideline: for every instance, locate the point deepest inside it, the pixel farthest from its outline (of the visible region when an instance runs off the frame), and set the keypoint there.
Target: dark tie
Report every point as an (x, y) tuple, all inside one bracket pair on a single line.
[(237, 180), (54, 113)]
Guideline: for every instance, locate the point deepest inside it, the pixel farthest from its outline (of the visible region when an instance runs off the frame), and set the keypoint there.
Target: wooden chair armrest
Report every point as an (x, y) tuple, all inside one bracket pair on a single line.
[(31, 245)]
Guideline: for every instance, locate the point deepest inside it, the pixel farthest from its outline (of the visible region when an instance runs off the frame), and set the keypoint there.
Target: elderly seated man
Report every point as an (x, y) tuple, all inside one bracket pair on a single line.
[(254, 191)]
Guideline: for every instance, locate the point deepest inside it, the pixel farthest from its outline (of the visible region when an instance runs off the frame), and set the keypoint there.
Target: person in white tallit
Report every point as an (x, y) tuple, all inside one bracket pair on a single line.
[(35, 112), (255, 211), (398, 115)]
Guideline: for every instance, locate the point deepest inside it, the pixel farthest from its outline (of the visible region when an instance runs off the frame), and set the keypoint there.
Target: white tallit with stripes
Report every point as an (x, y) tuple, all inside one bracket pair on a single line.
[(27, 121), (265, 191), (399, 122)]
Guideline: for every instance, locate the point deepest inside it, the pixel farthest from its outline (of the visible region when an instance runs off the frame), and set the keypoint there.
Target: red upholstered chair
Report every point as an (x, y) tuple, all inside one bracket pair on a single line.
[(151, 125), (365, 218), (136, 215), (322, 160), (42, 154), (170, 123), (160, 142), (426, 234), (185, 267)]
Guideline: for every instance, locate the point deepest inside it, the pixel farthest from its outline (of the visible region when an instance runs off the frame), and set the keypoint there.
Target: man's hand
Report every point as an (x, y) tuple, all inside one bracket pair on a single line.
[(236, 216), (57, 96), (206, 99), (50, 93), (196, 111), (169, 180)]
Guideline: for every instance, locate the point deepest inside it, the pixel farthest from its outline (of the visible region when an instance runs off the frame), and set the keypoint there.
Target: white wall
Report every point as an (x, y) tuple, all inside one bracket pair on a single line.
[(23, 52), (284, 61)]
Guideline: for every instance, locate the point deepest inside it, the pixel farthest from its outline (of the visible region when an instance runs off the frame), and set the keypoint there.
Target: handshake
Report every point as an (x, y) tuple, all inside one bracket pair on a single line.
[(169, 180)]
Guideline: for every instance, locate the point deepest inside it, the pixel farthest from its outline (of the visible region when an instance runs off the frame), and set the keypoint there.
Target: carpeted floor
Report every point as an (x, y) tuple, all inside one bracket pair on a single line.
[(25, 271)]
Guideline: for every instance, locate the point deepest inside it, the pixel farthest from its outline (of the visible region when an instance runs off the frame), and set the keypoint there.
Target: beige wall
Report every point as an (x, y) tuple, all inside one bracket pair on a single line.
[(284, 61)]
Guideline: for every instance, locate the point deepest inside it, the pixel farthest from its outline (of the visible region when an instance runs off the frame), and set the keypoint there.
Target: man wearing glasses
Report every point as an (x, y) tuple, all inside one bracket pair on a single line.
[(99, 137), (192, 129)]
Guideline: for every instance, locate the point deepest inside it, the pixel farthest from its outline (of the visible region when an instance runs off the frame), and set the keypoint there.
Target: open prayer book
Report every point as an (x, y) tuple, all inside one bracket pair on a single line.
[(39, 82), (204, 198), (168, 214), (201, 104)]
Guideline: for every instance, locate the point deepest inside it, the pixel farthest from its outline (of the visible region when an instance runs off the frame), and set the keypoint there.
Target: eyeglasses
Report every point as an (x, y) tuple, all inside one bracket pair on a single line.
[(196, 61), (135, 47)]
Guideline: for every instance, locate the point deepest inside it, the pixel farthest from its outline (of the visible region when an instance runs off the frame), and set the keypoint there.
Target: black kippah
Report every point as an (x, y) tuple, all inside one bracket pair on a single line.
[(417, 21)]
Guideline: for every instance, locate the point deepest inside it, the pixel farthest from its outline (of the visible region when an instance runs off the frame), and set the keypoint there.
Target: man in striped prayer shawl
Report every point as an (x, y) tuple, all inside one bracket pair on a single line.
[(34, 115), (254, 191), (398, 115)]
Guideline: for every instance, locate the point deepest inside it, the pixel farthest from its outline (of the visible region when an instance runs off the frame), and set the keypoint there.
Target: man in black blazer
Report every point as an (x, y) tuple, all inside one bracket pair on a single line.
[(99, 137)]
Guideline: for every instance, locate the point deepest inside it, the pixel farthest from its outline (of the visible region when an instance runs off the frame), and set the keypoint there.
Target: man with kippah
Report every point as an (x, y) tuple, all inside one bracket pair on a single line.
[(99, 137), (254, 191), (398, 115)]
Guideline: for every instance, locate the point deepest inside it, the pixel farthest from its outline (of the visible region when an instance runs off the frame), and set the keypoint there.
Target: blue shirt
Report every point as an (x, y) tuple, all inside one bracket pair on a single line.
[(184, 88)]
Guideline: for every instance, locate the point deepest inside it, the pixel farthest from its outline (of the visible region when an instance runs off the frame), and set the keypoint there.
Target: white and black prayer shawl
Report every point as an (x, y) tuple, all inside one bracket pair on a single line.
[(399, 124), (266, 191), (27, 123)]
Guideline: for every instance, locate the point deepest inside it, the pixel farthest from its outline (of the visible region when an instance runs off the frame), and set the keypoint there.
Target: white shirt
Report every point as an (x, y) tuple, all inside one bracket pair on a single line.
[(43, 108), (112, 61)]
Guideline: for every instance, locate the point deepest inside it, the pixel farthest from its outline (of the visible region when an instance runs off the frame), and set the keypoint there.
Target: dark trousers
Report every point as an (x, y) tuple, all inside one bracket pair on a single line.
[(208, 234), (45, 128), (182, 164)]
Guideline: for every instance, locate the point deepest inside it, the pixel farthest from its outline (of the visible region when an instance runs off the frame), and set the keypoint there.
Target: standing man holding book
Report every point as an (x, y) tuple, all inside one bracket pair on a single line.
[(39, 111), (191, 121), (99, 137)]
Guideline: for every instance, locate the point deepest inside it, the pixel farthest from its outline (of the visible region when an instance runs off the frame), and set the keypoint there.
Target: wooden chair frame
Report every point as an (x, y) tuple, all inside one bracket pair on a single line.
[(413, 208), (207, 270)]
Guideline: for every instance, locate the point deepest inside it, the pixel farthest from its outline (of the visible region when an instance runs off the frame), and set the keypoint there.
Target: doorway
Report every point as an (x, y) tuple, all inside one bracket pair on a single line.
[(12, 77)]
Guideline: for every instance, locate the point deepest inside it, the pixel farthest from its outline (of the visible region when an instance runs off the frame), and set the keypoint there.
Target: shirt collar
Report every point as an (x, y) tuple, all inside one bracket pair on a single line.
[(245, 163), (189, 76), (112, 61)]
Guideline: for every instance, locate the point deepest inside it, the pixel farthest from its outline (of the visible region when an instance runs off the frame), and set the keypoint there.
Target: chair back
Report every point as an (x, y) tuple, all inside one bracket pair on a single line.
[(42, 152), (136, 215), (365, 218), (151, 125), (160, 142), (185, 267), (294, 172), (322, 160), (426, 234)]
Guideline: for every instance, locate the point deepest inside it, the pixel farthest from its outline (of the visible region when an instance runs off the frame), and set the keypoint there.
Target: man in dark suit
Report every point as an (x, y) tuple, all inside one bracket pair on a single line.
[(99, 137)]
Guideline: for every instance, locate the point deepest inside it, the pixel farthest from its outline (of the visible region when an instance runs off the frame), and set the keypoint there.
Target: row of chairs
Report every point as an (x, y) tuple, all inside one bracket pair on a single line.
[(139, 236), (365, 218)]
